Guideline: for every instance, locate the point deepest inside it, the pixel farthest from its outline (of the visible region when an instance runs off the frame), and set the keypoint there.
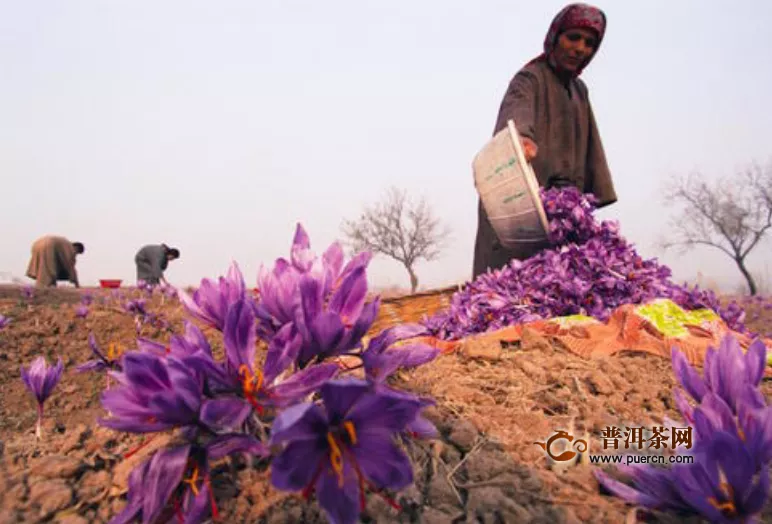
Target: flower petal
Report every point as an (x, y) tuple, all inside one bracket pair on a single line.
[(283, 350), (224, 445), (755, 362), (383, 411), (687, 376), (625, 492), (295, 467), (382, 462), (224, 413), (163, 476), (301, 422), (340, 395), (302, 383), (349, 298), (340, 502)]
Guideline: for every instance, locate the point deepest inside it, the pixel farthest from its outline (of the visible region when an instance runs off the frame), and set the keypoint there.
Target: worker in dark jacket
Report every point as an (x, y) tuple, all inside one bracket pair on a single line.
[(152, 261), (551, 109)]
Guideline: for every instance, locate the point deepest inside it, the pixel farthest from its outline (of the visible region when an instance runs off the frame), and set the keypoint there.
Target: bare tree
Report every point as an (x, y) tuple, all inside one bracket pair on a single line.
[(404, 230), (732, 215)]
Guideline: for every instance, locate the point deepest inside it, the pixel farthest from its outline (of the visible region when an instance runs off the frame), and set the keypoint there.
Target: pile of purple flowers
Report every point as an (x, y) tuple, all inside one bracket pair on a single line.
[(728, 480), (322, 429), (591, 270)]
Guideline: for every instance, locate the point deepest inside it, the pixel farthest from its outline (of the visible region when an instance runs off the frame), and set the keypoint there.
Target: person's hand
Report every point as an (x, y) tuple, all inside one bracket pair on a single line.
[(530, 149)]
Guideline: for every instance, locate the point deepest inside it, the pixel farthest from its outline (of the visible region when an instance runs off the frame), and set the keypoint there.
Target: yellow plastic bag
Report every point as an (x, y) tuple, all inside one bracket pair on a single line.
[(671, 320)]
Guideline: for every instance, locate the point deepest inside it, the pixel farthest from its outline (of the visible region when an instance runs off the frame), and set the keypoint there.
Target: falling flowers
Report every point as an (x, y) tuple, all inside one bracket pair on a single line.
[(591, 270), (40, 380)]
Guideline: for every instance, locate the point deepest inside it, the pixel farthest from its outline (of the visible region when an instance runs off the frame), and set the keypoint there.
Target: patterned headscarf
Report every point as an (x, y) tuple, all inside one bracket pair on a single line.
[(574, 16)]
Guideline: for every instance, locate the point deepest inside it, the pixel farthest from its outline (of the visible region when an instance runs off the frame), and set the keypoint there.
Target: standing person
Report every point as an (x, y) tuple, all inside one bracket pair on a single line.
[(553, 116), (152, 260), (53, 259)]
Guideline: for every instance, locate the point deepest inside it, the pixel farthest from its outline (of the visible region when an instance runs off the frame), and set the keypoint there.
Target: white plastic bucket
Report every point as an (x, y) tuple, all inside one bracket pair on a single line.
[(509, 191)]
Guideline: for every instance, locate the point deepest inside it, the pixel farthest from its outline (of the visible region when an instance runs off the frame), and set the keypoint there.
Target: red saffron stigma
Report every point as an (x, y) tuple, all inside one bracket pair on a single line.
[(178, 510), (215, 513), (390, 501), (308, 490), (133, 451)]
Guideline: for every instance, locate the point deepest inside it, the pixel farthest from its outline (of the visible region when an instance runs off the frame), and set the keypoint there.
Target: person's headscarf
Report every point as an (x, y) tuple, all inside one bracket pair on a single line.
[(574, 16)]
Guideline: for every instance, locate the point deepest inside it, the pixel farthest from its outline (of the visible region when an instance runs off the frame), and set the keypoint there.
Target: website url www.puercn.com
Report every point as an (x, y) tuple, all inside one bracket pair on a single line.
[(641, 459)]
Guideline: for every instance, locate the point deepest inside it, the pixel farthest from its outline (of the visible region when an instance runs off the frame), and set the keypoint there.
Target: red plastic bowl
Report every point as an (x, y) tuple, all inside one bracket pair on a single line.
[(112, 284)]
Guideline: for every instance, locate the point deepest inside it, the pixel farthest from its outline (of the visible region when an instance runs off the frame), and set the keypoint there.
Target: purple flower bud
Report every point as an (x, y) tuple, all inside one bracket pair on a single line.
[(211, 300), (40, 380)]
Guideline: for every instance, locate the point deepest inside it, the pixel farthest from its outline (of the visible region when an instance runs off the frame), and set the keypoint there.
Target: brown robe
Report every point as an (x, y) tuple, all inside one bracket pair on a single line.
[(558, 117), (53, 258)]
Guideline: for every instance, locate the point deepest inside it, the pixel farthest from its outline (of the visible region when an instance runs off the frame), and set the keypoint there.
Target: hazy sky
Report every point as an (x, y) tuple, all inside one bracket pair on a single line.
[(216, 126)]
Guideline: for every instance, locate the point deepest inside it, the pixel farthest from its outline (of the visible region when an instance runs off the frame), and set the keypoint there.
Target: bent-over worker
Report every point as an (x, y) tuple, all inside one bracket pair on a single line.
[(553, 116), (152, 260), (53, 259)]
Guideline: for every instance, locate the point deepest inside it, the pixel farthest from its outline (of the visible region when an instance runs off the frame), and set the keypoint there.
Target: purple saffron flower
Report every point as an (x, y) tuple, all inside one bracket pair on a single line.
[(168, 291), (721, 485), (279, 289), (278, 297), (40, 380), (4, 321), (136, 307), (237, 374), (102, 362), (81, 311), (157, 394), (342, 446), (87, 298), (177, 480), (145, 286), (27, 292), (752, 423), (210, 302), (334, 325), (726, 371), (381, 359), (191, 343)]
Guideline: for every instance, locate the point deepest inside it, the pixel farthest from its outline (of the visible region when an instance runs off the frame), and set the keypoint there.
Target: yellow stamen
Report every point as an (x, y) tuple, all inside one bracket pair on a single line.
[(192, 481), (351, 430), (728, 507), (724, 507), (741, 433), (113, 351), (252, 382), (336, 458)]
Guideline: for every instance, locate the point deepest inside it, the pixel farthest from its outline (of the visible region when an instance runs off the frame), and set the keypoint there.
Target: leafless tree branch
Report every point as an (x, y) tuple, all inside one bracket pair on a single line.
[(732, 214), (404, 230)]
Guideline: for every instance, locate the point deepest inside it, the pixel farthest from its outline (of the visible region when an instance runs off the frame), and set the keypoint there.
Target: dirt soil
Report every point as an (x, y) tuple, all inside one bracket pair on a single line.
[(494, 404)]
